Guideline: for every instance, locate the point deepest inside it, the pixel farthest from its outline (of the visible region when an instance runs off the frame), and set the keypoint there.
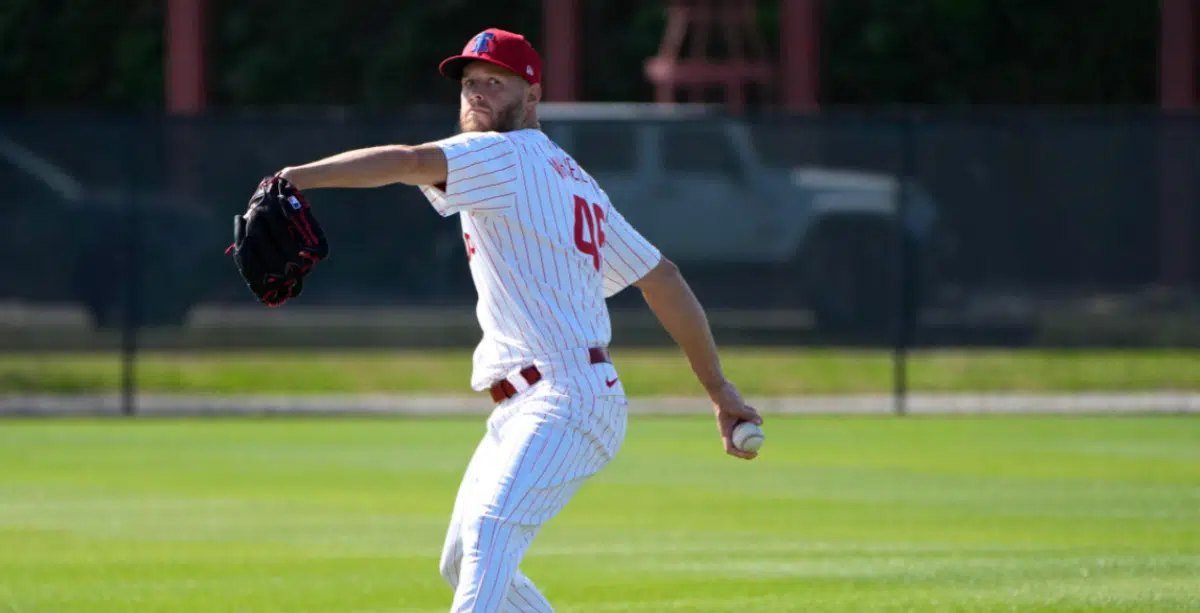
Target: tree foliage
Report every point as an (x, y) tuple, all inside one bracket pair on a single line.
[(380, 55)]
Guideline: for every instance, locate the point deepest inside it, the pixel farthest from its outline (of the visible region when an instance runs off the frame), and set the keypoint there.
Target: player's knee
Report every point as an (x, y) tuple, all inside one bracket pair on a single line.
[(451, 564), (449, 567), (486, 536), (474, 531)]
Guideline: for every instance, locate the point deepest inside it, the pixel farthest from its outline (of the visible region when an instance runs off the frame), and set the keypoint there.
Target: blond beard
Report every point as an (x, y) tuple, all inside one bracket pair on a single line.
[(505, 120)]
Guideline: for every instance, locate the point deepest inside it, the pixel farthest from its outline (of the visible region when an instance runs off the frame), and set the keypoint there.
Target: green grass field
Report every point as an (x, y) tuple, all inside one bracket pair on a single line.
[(982, 514), (758, 371)]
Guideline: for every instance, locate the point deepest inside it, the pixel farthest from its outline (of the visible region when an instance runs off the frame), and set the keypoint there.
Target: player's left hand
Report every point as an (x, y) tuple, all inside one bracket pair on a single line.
[(277, 241), (731, 410)]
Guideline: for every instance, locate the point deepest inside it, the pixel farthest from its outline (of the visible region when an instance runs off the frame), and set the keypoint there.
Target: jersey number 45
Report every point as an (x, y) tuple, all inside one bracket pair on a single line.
[(589, 241)]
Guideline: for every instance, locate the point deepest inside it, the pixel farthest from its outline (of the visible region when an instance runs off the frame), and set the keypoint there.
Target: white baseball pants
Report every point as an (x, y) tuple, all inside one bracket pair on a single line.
[(537, 452)]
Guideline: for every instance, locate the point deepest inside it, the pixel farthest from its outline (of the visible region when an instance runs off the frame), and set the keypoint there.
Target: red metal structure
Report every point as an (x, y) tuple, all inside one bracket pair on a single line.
[(1178, 189), (1179, 21), (185, 54), (561, 32), (795, 72), (800, 54), (790, 80), (696, 69)]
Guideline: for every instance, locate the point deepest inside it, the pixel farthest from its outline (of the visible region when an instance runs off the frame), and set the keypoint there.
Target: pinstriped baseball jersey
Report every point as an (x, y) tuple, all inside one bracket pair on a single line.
[(546, 247)]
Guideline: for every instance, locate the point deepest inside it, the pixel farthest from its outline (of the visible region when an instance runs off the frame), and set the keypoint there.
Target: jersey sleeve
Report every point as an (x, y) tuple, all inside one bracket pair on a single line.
[(482, 174), (627, 255)]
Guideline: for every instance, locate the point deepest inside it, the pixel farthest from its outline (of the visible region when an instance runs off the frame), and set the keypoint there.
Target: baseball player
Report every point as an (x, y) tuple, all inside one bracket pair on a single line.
[(545, 249)]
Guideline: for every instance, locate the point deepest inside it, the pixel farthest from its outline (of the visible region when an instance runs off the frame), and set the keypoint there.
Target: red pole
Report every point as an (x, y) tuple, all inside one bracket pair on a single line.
[(185, 96), (185, 56), (1177, 59), (561, 33), (1177, 82), (800, 54)]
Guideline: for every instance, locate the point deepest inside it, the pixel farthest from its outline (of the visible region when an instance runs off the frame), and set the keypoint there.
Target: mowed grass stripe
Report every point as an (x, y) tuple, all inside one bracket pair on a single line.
[(1096, 514), (645, 372)]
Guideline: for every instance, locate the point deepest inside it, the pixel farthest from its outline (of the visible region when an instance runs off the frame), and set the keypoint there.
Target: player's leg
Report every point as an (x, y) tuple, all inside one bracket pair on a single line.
[(452, 548), (523, 595), (494, 550), (541, 463)]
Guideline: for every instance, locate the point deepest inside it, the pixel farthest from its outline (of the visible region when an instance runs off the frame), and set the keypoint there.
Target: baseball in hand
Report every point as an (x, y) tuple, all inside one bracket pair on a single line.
[(747, 436)]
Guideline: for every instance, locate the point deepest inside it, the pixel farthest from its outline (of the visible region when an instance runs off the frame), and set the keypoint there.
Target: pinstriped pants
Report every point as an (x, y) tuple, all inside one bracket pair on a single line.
[(536, 454)]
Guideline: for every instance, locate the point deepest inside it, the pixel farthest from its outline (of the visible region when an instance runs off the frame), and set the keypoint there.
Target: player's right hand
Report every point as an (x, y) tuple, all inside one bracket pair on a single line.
[(731, 410)]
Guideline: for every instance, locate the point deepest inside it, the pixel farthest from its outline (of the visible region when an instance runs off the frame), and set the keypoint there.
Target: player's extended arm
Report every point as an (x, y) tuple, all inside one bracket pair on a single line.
[(672, 300), (682, 316), (372, 167)]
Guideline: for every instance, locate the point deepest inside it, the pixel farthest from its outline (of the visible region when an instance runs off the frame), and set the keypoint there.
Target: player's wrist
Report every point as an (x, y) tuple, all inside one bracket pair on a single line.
[(289, 174), (715, 387)]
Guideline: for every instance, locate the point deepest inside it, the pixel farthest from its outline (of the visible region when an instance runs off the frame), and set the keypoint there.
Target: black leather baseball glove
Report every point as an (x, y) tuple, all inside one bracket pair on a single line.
[(276, 242)]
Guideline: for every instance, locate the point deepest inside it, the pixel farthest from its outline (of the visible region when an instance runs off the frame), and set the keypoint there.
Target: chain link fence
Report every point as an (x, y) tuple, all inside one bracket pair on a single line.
[(955, 243)]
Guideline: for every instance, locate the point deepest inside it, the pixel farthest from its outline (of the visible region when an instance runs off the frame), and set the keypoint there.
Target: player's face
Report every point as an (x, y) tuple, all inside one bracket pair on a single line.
[(493, 99)]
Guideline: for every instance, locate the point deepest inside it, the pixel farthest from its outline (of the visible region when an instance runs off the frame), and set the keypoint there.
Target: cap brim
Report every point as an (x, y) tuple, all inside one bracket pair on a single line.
[(453, 67)]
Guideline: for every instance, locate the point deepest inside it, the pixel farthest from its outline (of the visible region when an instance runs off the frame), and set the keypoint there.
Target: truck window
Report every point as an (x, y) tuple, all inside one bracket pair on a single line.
[(604, 147), (699, 148)]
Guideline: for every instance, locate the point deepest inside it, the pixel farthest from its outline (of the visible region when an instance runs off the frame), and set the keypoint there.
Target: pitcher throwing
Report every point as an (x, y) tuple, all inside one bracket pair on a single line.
[(545, 249)]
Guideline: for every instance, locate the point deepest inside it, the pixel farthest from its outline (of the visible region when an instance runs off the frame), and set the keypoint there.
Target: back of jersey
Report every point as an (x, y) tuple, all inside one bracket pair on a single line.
[(546, 247)]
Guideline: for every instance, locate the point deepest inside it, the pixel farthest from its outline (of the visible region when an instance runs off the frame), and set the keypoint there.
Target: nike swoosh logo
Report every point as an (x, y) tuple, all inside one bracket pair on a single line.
[(611, 383)]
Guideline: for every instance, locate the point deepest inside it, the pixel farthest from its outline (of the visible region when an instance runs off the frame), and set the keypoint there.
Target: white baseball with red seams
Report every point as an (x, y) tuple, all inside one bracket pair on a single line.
[(747, 436), (546, 248)]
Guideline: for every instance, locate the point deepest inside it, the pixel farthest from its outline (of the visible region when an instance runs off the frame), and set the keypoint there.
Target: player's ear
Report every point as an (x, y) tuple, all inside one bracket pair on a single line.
[(534, 94)]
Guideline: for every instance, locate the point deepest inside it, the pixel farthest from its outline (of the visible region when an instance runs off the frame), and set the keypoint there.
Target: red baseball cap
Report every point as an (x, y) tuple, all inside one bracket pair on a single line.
[(500, 47)]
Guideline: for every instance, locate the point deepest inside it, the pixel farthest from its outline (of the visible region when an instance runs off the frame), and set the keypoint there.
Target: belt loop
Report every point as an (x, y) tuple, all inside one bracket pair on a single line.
[(518, 381), (515, 383)]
